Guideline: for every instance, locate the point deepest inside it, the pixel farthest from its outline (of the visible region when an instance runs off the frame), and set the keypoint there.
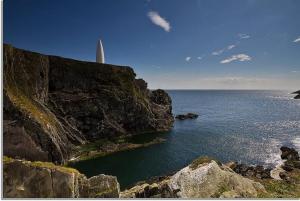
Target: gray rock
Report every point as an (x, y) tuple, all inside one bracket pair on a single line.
[(24, 179), (202, 179)]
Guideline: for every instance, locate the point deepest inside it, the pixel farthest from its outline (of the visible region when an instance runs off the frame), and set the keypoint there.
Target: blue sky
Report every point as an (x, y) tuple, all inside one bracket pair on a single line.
[(172, 44)]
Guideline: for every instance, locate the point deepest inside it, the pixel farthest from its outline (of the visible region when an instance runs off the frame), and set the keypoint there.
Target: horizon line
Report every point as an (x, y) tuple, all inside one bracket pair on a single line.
[(229, 89)]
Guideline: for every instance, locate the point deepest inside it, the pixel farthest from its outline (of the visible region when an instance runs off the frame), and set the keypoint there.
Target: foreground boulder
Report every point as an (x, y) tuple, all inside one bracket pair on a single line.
[(204, 178), (187, 116), (25, 179), (53, 104)]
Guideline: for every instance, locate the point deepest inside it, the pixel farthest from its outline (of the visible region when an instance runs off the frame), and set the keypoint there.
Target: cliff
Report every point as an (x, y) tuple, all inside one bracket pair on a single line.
[(53, 104), (25, 179)]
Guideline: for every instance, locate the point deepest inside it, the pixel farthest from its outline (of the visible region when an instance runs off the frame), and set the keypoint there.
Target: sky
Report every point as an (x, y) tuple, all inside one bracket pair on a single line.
[(172, 44)]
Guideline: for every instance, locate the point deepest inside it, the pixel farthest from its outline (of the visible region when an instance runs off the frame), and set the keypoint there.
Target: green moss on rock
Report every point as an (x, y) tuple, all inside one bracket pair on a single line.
[(201, 161), (53, 167), (7, 159)]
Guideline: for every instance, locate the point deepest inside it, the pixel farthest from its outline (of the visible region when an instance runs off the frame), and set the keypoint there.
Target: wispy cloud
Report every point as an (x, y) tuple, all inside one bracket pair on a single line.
[(297, 40), (159, 21), (188, 59), (218, 52), (230, 47), (199, 58), (237, 57), (243, 36)]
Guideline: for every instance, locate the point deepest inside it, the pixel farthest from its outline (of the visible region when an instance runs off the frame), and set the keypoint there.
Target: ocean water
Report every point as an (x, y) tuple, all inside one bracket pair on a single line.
[(245, 126)]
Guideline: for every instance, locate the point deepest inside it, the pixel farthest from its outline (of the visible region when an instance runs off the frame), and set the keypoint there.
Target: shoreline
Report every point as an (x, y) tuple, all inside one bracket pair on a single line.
[(283, 181), (106, 147), (233, 177)]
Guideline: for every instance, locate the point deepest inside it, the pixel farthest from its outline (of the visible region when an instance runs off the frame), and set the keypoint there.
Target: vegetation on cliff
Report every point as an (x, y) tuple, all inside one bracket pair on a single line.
[(25, 179)]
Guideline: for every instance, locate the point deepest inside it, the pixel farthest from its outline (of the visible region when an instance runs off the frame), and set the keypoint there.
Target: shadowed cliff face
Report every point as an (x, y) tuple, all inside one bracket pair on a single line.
[(52, 104)]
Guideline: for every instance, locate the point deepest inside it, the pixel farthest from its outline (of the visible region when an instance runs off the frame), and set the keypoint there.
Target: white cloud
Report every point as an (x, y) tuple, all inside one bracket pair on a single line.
[(188, 59), (199, 58), (159, 21), (230, 47), (237, 57), (215, 53), (243, 36), (218, 52), (297, 40)]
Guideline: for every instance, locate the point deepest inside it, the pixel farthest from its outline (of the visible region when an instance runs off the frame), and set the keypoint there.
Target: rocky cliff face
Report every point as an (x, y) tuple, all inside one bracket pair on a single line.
[(52, 104), (25, 179)]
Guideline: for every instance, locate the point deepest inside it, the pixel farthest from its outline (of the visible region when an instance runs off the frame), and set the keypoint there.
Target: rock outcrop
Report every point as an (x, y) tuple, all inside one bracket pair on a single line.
[(204, 178), (25, 179), (298, 94), (291, 157), (52, 104), (257, 171), (187, 116)]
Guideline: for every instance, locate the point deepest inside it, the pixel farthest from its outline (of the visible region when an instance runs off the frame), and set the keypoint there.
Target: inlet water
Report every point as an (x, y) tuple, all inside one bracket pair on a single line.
[(233, 125)]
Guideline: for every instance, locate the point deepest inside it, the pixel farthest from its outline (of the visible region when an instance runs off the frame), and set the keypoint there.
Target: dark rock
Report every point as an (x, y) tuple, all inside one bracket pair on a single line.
[(252, 171), (289, 154), (58, 104), (292, 159), (285, 176), (296, 92), (187, 116), (287, 167)]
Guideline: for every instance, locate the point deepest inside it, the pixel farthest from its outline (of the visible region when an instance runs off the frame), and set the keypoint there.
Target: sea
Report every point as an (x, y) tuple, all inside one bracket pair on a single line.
[(247, 126)]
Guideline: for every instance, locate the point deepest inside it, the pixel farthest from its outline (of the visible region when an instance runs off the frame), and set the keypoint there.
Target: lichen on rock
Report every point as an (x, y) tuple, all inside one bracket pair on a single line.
[(25, 179), (204, 178)]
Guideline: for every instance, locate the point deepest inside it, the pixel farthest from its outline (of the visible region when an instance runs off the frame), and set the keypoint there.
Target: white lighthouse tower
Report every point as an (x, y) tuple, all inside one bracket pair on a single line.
[(100, 53)]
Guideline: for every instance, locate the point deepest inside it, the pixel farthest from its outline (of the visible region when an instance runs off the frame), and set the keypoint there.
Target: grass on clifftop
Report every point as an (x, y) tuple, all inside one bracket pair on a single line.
[(53, 167), (7, 159), (281, 188), (49, 165), (201, 160)]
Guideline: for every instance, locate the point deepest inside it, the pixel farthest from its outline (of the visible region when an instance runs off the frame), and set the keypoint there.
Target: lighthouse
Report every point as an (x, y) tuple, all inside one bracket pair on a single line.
[(100, 53)]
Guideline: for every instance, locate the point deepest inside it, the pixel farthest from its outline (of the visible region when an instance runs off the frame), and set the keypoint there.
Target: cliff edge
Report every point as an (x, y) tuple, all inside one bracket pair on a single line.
[(52, 104)]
